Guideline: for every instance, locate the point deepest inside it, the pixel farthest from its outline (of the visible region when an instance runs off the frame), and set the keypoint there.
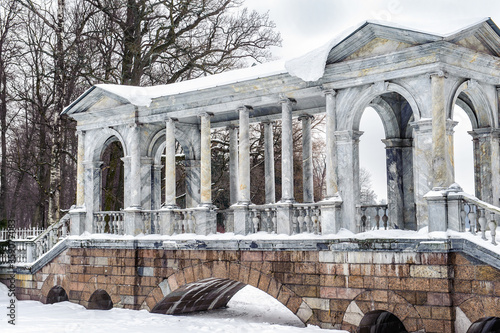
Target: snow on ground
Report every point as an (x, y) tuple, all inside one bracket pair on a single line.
[(250, 310)]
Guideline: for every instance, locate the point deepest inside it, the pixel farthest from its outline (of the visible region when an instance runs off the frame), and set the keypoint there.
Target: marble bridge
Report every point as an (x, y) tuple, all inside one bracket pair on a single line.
[(157, 255)]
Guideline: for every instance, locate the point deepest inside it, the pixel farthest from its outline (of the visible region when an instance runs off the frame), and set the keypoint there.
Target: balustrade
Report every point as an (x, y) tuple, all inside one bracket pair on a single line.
[(366, 212), (184, 221), (479, 216), (110, 222)]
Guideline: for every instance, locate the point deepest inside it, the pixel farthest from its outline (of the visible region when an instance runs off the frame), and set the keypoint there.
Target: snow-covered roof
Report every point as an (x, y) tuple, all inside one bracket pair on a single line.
[(308, 67)]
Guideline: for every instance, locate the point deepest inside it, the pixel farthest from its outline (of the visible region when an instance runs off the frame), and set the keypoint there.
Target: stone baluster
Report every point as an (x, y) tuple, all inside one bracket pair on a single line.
[(492, 224), (472, 219), (482, 222), (363, 219), (385, 218)]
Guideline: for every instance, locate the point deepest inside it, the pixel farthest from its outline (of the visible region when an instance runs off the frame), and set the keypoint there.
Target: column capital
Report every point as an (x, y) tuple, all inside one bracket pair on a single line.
[(329, 92), (171, 120), (397, 143), (247, 108), (286, 100), (439, 73), (232, 127), (423, 125), (305, 117), (205, 115), (484, 133), (93, 164), (80, 132), (345, 136), (146, 160)]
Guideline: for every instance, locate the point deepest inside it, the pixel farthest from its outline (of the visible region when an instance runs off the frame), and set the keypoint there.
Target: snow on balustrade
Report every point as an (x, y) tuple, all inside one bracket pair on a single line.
[(474, 215)]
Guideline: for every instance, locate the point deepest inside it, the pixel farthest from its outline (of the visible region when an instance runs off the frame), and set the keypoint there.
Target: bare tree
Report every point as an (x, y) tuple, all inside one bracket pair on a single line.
[(165, 41)]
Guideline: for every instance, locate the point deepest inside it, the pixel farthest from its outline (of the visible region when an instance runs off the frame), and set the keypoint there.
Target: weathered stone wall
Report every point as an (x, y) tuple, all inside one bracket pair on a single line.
[(428, 291)]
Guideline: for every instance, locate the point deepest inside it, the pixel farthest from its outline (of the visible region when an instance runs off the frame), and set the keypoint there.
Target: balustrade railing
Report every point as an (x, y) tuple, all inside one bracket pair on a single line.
[(371, 217), (479, 216), (264, 218), (151, 222), (25, 233), (306, 218), (184, 221), (29, 250), (109, 222)]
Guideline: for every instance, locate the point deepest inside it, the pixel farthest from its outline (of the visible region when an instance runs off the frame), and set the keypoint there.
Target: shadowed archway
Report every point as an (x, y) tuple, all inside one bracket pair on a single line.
[(380, 321), (100, 300), (57, 294)]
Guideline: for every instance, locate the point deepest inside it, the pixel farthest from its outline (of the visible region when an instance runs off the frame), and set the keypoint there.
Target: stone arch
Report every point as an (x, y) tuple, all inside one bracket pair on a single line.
[(225, 272), (100, 300), (365, 97), (56, 294), (105, 137), (381, 321), (480, 112), (101, 282), (382, 300), (185, 134), (52, 281), (476, 308)]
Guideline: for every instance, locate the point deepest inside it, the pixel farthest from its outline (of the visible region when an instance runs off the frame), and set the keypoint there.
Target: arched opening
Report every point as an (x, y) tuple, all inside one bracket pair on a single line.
[(386, 181), (485, 325), (380, 321), (226, 299), (100, 300), (463, 150), (372, 160), (215, 292), (56, 294), (112, 176)]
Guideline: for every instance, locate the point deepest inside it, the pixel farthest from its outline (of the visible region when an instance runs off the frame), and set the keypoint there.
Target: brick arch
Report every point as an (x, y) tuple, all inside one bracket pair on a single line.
[(385, 300), (106, 283), (52, 281), (235, 272), (478, 307)]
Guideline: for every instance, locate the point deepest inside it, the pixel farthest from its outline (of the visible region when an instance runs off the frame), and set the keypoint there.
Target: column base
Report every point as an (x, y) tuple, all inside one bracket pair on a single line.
[(167, 218), (436, 204), (242, 223), (205, 220), (284, 216)]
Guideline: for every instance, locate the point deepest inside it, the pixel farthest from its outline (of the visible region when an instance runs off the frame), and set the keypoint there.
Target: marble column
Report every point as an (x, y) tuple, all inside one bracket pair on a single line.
[(486, 164), (244, 157), (287, 195), (146, 188), (205, 161), (331, 149), (442, 164), (233, 164), (307, 162), (348, 175), (422, 168), (135, 168), (269, 162), (92, 192), (80, 170), (170, 180), (399, 193), (156, 190)]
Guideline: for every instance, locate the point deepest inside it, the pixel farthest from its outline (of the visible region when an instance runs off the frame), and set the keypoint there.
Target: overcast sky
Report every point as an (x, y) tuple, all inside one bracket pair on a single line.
[(307, 24)]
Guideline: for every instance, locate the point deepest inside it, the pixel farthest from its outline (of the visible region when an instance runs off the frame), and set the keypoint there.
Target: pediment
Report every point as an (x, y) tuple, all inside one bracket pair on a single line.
[(482, 37), (373, 39), (93, 100)]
